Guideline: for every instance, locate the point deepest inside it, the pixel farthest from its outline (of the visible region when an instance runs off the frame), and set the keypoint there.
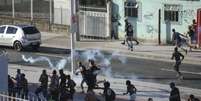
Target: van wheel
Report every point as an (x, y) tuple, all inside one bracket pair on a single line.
[(18, 46)]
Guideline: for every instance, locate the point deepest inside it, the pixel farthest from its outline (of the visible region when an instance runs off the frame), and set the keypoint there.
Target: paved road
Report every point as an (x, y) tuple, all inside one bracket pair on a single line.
[(121, 67)]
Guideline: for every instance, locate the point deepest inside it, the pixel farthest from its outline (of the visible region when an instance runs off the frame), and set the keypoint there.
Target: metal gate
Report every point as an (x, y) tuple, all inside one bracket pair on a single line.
[(93, 23)]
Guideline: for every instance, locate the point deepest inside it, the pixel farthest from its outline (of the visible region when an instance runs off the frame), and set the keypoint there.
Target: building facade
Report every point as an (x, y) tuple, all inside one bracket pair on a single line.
[(153, 20)]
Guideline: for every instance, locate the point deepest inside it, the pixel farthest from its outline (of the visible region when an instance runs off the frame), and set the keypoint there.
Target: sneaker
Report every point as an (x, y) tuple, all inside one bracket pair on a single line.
[(123, 43), (131, 49)]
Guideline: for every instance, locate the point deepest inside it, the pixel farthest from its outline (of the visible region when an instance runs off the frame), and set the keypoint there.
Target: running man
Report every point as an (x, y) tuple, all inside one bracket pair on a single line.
[(177, 56), (126, 28), (178, 40), (83, 71), (129, 37), (131, 90)]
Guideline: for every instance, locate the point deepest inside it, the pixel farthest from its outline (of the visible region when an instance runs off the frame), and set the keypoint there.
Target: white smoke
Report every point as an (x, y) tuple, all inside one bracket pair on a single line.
[(60, 64), (105, 62), (41, 58), (117, 55)]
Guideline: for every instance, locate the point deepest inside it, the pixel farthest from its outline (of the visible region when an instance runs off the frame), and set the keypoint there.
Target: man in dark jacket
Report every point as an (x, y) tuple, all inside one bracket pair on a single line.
[(24, 87), (71, 86), (62, 78), (108, 93), (174, 94), (44, 84)]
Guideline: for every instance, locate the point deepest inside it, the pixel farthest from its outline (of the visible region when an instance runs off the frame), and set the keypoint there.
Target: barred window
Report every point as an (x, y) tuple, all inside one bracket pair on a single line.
[(171, 13), (131, 9)]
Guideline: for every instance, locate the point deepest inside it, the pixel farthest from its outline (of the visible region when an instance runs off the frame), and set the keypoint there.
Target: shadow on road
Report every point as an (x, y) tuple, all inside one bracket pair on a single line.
[(51, 50)]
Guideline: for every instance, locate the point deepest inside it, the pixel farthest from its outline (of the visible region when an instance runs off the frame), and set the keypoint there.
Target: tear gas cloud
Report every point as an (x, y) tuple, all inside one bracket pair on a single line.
[(97, 55)]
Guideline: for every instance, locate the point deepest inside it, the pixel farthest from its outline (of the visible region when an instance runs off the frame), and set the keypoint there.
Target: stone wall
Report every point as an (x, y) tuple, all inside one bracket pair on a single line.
[(41, 24)]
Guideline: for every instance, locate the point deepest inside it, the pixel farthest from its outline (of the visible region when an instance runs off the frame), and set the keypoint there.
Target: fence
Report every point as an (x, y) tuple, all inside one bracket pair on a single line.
[(35, 9), (5, 96), (39, 9)]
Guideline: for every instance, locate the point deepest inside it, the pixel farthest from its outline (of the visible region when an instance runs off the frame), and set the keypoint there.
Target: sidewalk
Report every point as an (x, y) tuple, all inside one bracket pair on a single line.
[(144, 50), (158, 92)]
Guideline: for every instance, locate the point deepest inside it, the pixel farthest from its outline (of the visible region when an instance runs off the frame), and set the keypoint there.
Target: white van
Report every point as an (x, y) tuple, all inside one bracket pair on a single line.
[(20, 36)]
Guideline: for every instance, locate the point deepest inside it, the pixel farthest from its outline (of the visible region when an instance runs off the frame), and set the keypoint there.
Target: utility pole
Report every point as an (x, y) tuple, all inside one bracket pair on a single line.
[(159, 26), (73, 31), (13, 11), (50, 10), (31, 11)]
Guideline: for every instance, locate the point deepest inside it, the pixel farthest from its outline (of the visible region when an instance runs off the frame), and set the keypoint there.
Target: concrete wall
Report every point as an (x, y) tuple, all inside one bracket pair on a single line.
[(5, 2), (146, 25), (3, 73), (42, 25)]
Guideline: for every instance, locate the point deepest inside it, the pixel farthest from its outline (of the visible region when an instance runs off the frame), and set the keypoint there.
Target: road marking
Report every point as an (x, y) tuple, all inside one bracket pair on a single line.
[(187, 72)]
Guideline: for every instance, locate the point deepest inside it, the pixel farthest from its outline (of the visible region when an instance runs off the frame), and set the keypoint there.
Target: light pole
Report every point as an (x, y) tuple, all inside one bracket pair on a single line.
[(13, 9), (73, 31), (50, 8), (31, 11)]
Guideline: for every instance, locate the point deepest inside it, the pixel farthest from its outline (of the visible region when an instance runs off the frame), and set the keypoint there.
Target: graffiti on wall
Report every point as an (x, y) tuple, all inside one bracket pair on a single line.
[(188, 15), (149, 27)]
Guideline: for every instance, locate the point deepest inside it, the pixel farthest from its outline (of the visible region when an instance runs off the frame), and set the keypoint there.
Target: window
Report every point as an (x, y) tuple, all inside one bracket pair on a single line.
[(11, 30), (93, 3), (171, 13), (30, 30), (2, 29), (131, 9)]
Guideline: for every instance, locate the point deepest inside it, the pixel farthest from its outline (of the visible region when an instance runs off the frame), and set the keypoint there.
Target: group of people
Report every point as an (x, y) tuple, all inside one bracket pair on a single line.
[(180, 40), (62, 88), (89, 75), (18, 86)]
